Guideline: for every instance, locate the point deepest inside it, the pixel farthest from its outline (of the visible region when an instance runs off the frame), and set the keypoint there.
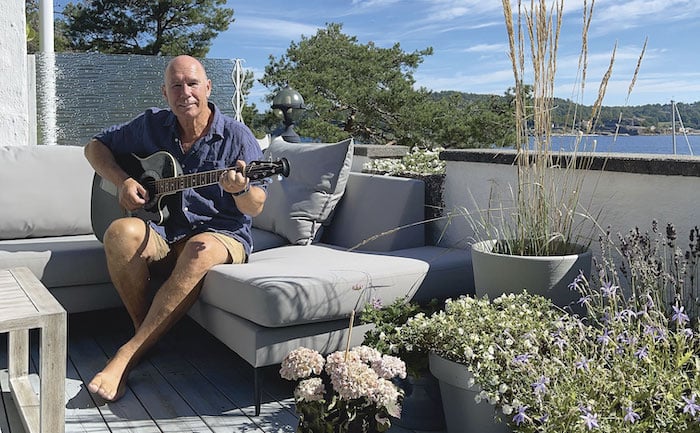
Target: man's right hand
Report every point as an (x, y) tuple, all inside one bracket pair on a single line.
[(132, 195)]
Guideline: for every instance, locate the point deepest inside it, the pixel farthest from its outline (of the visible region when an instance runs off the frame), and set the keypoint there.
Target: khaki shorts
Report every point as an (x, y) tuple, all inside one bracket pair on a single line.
[(166, 254)]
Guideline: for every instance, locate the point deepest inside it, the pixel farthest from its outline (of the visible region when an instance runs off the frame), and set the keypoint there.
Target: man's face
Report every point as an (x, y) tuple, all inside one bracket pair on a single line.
[(187, 89)]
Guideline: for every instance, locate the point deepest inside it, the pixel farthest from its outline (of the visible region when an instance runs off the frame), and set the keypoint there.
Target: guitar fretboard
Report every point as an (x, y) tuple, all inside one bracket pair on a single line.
[(194, 180)]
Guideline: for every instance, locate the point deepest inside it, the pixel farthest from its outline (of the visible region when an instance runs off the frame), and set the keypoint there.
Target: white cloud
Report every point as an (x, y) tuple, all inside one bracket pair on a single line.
[(272, 28)]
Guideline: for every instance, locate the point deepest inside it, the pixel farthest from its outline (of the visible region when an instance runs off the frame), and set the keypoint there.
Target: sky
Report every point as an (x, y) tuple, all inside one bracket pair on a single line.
[(470, 43)]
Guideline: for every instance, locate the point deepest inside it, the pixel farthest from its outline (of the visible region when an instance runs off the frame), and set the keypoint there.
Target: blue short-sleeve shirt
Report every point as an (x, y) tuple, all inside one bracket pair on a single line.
[(206, 208)]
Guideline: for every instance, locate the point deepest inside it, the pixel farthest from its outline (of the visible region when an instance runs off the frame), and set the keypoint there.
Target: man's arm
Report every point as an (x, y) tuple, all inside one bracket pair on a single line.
[(249, 199), (132, 195)]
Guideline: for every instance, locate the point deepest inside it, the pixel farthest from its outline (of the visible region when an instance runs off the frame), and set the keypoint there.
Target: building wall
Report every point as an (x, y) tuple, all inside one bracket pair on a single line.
[(14, 111)]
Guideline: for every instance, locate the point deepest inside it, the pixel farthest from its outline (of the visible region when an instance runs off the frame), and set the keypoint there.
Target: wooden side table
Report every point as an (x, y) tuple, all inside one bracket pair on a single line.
[(26, 304)]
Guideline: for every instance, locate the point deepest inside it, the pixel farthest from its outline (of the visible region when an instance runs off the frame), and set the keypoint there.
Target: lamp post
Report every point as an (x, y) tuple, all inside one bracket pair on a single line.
[(288, 105)]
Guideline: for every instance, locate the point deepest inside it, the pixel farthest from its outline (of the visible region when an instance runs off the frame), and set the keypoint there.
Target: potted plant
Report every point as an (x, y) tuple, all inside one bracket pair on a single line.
[(632, 363), (422, 405), (541, 229), (347, 392)]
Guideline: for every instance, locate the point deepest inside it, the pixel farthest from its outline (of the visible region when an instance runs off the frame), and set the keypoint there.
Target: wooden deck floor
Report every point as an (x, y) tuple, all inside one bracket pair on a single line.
[(190, 382)]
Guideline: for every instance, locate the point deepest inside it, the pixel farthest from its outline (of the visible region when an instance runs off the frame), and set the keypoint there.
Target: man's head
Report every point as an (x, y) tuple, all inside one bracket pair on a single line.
[(187, 88)]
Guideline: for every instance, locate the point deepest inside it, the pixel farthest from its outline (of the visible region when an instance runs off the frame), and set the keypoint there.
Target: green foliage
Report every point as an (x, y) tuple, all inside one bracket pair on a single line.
[(367, 92), (165, 27), (387, 322), (631, 364)]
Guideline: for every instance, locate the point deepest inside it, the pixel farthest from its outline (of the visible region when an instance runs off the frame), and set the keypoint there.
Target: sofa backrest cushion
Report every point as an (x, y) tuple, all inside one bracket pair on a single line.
[(299, 205), (379, 213), (45, 191)]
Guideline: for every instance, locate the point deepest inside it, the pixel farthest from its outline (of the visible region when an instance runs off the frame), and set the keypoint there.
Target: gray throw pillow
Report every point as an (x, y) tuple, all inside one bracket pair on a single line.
[(297, 206)]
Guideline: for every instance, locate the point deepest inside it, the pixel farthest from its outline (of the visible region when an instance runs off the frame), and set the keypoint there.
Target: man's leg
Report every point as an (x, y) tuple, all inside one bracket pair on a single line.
[(171, 302), (130, 246)]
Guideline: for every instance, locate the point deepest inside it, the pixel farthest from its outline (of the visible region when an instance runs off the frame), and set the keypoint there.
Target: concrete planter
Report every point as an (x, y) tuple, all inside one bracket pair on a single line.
[(549, 276), (462, 413)]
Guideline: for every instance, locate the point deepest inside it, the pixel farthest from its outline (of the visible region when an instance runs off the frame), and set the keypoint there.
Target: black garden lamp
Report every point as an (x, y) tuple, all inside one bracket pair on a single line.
[(288, 105)]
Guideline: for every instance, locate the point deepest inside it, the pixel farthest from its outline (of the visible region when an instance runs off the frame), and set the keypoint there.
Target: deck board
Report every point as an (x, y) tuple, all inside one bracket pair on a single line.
[(189, 382)]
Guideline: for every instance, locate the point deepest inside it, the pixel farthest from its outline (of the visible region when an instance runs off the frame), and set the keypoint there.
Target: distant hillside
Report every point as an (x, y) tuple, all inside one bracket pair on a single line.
[(641, 119)]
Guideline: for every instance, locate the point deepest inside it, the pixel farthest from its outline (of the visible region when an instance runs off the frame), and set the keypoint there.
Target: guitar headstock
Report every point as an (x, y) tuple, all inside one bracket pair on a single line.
[(256, 170)]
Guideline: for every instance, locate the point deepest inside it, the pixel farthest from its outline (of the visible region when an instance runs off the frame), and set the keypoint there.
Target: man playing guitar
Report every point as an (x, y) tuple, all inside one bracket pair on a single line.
[(206, 226)]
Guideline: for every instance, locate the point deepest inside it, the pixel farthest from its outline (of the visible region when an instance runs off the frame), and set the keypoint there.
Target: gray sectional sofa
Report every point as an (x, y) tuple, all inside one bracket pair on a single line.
[(328, 241)]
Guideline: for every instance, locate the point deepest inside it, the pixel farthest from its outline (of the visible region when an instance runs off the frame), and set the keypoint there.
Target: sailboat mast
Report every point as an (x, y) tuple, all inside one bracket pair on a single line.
[(673, 124)]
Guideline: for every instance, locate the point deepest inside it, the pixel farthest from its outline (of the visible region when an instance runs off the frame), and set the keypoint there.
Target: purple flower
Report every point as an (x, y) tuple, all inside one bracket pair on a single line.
[(376, 303), (578, 280), (540, 387), (608, 289), (642, 353), (584, 300), (582, 364), (690, 406), (521, 417), (679, 316), (605, 338), (522, 359), (630, 415), (589, 418)]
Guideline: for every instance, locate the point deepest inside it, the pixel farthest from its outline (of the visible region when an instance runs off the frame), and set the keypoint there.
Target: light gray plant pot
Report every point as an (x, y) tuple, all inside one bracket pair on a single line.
[(462, 413), (548, 276)]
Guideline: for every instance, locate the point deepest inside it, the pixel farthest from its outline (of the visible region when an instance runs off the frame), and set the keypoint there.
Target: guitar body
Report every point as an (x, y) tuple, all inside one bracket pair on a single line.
[(162, 176), (148, 170)]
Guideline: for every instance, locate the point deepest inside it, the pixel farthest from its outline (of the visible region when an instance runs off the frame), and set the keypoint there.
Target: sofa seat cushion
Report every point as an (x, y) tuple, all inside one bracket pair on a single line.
[(449, 274), (302, 284), (58, 261)]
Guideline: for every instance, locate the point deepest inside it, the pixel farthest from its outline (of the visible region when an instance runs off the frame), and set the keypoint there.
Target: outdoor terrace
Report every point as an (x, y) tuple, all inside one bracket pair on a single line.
[(191, 382)]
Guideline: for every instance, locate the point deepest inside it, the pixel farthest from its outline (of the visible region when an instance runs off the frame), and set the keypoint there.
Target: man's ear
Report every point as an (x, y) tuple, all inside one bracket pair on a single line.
[(162, 91), (208, 88)]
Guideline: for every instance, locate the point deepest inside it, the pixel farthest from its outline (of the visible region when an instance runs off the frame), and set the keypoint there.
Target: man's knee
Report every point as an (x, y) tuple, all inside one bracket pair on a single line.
[(205, 250), (134, 236), (125, 230)]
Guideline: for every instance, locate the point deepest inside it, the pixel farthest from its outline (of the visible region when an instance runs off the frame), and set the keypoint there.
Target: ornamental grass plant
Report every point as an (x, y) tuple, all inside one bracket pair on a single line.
[(630, 364), (542, 214)]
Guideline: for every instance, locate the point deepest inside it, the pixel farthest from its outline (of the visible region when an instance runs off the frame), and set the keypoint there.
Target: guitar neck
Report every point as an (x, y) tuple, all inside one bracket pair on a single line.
[(180, 183)]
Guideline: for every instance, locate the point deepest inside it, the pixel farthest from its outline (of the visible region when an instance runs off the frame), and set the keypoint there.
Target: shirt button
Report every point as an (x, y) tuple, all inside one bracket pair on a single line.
[(185, 209)]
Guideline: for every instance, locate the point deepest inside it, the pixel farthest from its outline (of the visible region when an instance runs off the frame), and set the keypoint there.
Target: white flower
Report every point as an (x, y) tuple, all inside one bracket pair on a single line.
[(309, 390), (301, 363)]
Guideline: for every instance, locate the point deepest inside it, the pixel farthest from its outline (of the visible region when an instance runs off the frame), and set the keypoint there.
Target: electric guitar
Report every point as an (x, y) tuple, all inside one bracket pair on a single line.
[(161, 175)]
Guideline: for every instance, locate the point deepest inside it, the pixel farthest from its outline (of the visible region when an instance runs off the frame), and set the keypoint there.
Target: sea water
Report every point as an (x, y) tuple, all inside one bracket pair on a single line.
[(655, 144)]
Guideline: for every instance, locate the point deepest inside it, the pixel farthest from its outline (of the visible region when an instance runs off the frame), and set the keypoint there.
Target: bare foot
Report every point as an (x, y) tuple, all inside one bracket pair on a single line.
[(110, 383)]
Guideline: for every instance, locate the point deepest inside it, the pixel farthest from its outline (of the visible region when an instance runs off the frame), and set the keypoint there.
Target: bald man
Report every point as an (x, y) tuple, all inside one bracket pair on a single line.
[(206, 226)]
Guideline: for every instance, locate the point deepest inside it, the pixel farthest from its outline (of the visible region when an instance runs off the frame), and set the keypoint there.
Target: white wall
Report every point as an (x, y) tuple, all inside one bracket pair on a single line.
[(14, 109), (619, 200)]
